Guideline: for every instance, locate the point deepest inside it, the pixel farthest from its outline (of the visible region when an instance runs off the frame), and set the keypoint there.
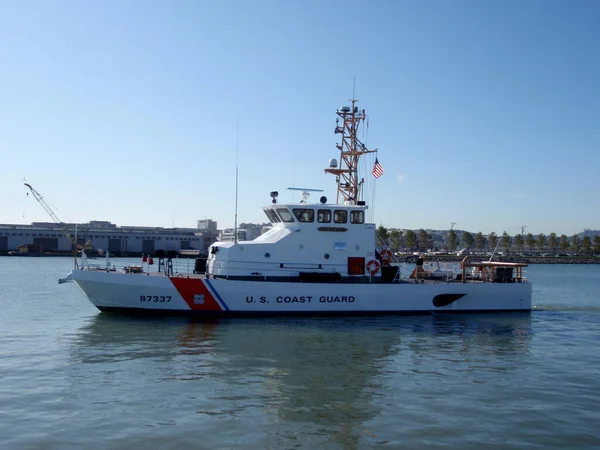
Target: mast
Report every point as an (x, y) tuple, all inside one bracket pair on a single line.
[(351, 149), (237, 152)]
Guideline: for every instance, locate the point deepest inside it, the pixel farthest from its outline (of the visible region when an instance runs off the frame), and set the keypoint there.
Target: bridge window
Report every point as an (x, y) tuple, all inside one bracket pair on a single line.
[(285, 214), (357, 217), (304, 214), (273, 218), (340, 216), (324, 216)]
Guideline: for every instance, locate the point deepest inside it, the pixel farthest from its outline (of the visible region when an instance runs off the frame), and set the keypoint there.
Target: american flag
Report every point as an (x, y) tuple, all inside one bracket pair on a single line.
[(377, 169)]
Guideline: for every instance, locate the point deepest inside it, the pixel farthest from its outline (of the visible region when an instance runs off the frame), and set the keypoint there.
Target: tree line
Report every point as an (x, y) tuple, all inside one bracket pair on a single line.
[(422, 240)]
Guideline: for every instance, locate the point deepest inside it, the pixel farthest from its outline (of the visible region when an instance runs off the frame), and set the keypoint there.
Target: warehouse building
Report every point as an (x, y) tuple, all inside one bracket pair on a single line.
[(53, 238)]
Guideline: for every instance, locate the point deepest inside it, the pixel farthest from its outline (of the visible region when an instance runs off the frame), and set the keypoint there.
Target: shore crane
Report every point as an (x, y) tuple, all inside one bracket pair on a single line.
[(65, 229)]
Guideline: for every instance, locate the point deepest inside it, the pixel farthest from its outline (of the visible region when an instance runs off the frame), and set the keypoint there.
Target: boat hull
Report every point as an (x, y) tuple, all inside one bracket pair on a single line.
[(221, 297)]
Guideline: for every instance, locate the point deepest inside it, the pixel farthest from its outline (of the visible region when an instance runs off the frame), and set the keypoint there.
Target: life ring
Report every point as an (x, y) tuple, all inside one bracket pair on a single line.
[(386, 256), (373, 267)]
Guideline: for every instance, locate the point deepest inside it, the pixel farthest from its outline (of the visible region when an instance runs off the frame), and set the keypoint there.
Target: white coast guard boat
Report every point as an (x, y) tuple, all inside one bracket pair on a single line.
[(317, 259)]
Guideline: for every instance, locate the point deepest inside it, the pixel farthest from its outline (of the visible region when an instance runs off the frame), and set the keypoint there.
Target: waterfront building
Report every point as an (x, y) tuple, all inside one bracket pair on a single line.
[(207, 224), (49, 237)]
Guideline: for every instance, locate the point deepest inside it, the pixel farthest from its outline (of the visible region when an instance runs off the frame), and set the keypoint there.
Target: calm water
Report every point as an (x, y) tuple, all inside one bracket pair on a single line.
[(71, 377)]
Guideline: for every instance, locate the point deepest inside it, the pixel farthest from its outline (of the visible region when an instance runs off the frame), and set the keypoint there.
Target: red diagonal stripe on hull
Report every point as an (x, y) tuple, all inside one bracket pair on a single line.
[(196, 294)]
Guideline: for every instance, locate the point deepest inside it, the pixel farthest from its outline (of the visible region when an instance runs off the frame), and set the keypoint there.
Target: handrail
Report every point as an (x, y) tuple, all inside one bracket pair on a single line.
[(463, 265)]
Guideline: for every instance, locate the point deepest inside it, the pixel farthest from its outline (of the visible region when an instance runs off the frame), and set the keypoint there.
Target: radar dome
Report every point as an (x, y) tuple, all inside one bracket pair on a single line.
[(332, 163)]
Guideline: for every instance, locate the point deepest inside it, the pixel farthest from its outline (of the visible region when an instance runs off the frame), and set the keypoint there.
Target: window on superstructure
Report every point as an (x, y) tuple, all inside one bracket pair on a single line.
[(285, 215), (304, 214), (272, 216), (357, 217), (324, 216), (340, 216)]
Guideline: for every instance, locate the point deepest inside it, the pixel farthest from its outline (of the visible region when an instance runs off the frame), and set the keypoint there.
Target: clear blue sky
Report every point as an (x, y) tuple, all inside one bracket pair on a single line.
[(485, 113)]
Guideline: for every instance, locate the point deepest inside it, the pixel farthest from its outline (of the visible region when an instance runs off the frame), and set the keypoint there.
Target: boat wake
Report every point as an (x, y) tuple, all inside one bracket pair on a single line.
[(67, 279), (564, 308)]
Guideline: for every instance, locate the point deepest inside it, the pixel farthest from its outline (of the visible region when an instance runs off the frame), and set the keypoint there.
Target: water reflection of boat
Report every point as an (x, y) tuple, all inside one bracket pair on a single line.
[(312, 373), (186, 333)]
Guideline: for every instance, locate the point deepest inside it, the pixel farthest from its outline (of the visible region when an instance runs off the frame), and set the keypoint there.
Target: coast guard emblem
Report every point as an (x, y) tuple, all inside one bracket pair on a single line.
[(199, 299)]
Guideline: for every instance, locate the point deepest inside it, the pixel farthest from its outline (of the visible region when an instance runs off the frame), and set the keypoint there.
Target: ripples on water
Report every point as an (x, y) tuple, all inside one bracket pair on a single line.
[(75, 378)]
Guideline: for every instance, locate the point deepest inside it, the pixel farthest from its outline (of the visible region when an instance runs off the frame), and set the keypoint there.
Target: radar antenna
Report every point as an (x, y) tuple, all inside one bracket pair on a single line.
[(305, 192)]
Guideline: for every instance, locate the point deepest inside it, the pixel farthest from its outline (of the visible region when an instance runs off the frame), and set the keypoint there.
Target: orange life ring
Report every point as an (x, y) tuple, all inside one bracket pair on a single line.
[(373, 267), (386, 256)]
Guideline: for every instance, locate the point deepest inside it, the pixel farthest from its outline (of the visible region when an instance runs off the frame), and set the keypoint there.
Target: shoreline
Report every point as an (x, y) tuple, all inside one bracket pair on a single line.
[(508, 258)]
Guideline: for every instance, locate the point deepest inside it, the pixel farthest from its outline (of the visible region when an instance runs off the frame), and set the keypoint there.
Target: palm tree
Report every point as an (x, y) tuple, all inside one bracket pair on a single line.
[(480, 241), (468, 239), (530, 241), (411, 240), (452, 241), (596, 244), (541, 241), (383, 236), (505, 241), (493, 240), (586, 244), (518, 245), (396, 239), (553, 243), (575, 243), (423, 239), (564, 243)]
